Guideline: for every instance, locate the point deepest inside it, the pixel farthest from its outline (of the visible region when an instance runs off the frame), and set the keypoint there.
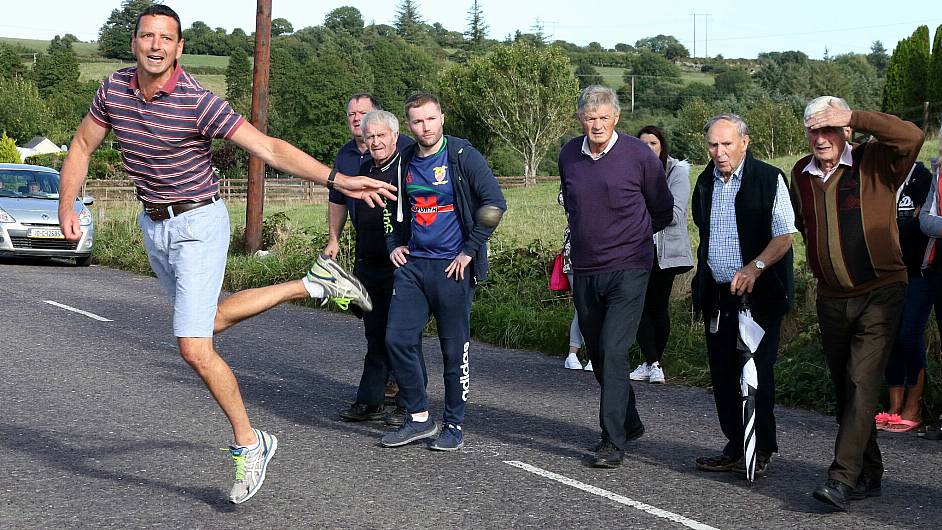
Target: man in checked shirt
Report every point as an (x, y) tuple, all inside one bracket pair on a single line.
[(742, 209)]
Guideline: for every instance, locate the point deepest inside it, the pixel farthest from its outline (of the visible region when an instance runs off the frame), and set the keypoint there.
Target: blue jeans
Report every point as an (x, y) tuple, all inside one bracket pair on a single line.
[(909, 349), (422, 289)]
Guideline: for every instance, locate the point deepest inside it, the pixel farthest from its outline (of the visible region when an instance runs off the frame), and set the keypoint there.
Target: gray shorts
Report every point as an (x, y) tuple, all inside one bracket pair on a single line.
[(188, 254)]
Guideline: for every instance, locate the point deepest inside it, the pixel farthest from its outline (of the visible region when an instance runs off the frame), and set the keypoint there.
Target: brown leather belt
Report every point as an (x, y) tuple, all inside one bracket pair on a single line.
[(162, 212)]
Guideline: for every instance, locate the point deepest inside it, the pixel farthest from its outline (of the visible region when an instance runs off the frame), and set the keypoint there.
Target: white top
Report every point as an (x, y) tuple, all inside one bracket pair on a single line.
[(586, 151), (846, 160)]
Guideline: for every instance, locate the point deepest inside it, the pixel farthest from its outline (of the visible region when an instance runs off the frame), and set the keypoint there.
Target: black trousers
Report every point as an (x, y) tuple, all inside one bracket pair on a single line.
[(726, 363), (609, 305), (655, 328), (377, 278)]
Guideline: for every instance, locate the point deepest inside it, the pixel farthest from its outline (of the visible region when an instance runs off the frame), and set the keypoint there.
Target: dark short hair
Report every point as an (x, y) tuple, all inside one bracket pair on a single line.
[(421, 98), (159, 10), (656, 131), (363, 95)]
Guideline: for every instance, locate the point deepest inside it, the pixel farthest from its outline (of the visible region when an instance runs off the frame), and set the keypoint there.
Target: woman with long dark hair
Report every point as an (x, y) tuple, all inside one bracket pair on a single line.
[(673, 257)]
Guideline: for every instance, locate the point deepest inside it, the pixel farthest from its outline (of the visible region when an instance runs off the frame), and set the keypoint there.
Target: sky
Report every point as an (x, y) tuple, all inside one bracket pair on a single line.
[(733, 28)]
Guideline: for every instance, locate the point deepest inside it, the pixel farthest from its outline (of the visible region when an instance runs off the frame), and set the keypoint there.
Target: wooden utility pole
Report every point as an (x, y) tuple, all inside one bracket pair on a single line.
[(256, 190)]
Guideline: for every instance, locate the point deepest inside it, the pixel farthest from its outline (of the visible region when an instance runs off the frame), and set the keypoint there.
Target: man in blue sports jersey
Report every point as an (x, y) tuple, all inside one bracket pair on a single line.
[(432, 237)]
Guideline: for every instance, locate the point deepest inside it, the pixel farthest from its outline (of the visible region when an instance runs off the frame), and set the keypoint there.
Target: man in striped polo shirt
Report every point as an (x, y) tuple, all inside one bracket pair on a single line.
[(165, 123)]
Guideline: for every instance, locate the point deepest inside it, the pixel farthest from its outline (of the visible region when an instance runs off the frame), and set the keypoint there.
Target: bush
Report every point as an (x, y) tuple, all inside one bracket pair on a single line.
[(8, 152), (105, 163)]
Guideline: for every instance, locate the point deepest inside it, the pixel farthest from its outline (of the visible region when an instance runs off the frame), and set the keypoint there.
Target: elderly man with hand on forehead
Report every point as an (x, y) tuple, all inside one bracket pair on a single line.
[(616, 197), (741, 208), (845, 207)]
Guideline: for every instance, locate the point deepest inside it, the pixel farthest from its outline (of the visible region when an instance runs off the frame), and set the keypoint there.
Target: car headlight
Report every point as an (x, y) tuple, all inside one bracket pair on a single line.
[(5, 217), (85, 217)]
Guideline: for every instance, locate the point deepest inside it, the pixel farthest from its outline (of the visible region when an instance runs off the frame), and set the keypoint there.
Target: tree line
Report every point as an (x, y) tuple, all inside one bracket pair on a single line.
[(514, 98)]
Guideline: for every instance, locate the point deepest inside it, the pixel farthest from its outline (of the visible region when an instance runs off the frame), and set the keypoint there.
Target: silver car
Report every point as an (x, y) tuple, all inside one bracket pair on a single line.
[(29, 216)]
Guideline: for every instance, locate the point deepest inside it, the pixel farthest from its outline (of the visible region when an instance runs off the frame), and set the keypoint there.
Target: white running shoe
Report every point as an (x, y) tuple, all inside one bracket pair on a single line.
[(588, 366), (250, 466), (656, 374), (572, 362), (339, 285), (641, 373)]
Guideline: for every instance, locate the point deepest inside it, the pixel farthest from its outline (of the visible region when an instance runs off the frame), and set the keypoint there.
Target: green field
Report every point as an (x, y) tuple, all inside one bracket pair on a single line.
[(99, 70), (614, 77), (81, 48)]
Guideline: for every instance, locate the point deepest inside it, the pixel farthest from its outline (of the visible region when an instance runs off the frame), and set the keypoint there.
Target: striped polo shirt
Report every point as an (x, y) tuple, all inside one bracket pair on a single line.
[(165, 142)]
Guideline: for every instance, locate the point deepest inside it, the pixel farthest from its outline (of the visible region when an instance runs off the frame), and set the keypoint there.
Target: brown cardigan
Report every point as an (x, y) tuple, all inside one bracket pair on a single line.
[(849, 222)]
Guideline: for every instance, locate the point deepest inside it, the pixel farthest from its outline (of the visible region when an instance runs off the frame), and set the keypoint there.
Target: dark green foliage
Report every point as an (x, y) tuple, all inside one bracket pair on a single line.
[(105, 163), (399, 69), (657, 83), (588, 75), (114, 38), (935, 73), (281, 26), (56, 71), (878, 58), (732, 82), (774, 129), (200, 39), (11, 64), (666, 46), (239, 81), (477, 28), (408, 22), (23, 113), (907, 76), (346, 19)]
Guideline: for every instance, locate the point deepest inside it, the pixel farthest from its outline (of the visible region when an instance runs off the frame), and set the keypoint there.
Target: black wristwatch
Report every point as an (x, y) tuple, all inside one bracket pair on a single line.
[(331, 177)]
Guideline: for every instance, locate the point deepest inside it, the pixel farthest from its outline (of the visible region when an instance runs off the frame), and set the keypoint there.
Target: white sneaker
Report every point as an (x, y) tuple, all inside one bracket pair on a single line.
[(588, 366), (657, 374), (641, 373), (250, 466), (572, 362)]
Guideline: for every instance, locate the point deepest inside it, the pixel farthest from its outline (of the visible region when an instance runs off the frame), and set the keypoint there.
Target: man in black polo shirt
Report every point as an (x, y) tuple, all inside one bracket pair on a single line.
[(375, 145)]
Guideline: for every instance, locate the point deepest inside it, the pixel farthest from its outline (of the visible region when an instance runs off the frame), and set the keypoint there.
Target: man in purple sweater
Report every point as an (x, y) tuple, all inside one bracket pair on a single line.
[(616, 198)]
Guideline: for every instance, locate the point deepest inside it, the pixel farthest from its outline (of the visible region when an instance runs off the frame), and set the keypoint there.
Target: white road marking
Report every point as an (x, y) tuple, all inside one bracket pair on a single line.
[(653, 510), (79, 311)]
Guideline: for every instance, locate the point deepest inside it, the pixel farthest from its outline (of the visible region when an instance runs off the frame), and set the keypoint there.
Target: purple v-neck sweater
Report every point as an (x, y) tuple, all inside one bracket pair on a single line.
[(614, 204)]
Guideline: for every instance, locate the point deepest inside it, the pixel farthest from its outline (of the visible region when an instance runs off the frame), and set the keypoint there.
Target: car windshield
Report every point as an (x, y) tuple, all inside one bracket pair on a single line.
[(29, 183)]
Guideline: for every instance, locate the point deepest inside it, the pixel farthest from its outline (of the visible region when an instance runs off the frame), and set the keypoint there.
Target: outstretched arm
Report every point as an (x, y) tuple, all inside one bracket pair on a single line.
[(87, 138), (287, 158)]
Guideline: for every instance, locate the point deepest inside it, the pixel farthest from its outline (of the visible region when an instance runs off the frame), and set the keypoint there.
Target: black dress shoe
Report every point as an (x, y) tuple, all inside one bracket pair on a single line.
[(763, 460), (396, 418), (634, 433), (608, 456), (717, 463), (833, 493), (865, 488), (362, 412)]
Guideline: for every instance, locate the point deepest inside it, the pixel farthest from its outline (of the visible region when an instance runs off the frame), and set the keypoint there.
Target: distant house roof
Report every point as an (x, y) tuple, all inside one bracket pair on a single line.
[(39, 145)]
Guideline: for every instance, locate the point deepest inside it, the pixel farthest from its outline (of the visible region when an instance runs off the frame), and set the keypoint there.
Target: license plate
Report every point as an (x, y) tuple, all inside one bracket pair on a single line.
[(46, 233)]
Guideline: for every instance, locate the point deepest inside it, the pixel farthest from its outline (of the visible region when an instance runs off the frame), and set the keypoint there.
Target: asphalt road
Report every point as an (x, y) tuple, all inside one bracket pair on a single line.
[(103, 425)]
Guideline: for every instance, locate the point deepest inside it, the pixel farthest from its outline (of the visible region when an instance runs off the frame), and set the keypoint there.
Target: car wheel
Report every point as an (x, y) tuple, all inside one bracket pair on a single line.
[(83, 262)]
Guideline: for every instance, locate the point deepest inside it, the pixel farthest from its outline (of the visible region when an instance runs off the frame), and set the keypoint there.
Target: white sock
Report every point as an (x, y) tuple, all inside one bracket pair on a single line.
[(420, 417), (316, 290)]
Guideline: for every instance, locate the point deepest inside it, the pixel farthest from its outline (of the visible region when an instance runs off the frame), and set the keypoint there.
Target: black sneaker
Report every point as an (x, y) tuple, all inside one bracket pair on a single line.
[(866, 488), (362, 412), (410, 431), (717, 463), (608, 456), (396, 417), (833, 493)]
